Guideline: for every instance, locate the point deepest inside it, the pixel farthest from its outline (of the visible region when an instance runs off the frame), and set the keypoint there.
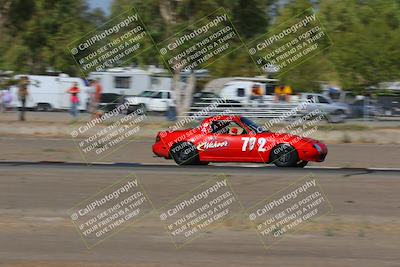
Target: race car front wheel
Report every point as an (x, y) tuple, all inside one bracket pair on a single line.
[(284, 155), (301, 164), (184, 153)]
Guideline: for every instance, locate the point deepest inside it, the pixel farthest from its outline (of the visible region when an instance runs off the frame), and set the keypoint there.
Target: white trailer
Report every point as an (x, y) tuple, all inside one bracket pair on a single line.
[(50, 92), (132, 81), (240, 88)]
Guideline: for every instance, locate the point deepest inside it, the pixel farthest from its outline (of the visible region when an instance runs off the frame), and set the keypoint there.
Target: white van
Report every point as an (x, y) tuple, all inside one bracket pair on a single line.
[(50, 92)]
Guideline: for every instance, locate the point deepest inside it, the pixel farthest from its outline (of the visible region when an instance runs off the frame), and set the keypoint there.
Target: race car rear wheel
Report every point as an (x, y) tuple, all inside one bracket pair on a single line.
[(184, 153), (284, 155)]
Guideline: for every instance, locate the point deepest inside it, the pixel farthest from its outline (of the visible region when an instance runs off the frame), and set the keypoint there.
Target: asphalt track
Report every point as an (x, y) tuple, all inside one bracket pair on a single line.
[(220, 168)]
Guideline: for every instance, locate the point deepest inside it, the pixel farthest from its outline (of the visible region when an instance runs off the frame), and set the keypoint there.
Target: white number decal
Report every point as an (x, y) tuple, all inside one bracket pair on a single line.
[(261, 144), (249, 143), (252, 143), (245, 142)]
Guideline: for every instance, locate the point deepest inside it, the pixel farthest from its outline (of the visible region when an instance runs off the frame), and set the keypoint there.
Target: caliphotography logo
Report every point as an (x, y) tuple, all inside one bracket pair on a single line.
[(196, 212), (288, 210), (112, 44), (290, 43), (110, 211)]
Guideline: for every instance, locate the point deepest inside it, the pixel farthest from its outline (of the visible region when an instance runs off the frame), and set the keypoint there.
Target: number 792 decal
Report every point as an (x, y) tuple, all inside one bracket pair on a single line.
[(250, 142)]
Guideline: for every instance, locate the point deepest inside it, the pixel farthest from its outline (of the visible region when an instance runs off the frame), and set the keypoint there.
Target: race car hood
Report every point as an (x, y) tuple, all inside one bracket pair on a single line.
[(288, 138)]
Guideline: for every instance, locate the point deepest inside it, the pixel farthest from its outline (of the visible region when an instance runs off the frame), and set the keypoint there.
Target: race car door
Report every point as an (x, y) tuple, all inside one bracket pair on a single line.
[(224, 142)]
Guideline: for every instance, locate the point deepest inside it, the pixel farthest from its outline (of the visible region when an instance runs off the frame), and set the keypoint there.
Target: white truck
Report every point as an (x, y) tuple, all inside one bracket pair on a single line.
[(334, 111), (158, 101), (49, 92)]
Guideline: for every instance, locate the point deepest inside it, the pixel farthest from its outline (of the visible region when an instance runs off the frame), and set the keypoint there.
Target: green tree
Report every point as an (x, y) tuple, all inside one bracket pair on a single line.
[(366, 35), (35, 34), (251, 17), (309, 72)]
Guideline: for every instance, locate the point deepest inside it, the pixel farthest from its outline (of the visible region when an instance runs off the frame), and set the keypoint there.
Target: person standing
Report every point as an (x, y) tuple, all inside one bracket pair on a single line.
[(171, 111), (74, 99), (6, 99), (96, 98), (287, 92), (22, 95), (256, 94), (1, 101)]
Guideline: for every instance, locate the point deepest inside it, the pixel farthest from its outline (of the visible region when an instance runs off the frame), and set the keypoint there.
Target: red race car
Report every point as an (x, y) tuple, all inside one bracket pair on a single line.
[(236, 139)]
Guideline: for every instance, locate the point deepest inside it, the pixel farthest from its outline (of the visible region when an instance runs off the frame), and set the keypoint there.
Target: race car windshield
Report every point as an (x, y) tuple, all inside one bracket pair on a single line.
[(146, 93), (253, 126)]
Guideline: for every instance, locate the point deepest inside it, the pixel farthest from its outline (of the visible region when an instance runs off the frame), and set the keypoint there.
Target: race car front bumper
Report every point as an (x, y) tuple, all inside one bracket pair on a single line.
[(313, 151), (322, 151), (160, 149)]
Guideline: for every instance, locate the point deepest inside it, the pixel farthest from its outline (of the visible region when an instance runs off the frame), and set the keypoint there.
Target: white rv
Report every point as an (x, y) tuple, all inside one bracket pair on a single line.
[(50, 92), (132, 81)]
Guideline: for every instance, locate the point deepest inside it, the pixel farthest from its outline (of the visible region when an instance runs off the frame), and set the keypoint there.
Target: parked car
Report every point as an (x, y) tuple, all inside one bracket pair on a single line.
[(333, 111), (203, 96), (158, 100), (139, 101), (365, 107), (390, 105), (109, 101)]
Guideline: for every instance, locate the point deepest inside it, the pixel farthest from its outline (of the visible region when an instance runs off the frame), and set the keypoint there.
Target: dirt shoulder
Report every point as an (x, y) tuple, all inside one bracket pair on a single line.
[(47, 136)]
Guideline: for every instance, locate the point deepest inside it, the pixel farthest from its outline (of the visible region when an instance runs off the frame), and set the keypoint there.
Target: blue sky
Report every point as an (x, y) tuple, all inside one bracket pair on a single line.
[(103, 4)]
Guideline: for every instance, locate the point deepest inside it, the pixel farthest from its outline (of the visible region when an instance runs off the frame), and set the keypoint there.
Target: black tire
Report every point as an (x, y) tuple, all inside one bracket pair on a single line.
[(337, 116), (130, 110), (284, 155), (184, 153), (301, 164), (43, 107), (48, 107), (142, 108)]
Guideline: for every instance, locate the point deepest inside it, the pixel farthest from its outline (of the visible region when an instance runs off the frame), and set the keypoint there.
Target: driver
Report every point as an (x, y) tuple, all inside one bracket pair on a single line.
[(235, 131)]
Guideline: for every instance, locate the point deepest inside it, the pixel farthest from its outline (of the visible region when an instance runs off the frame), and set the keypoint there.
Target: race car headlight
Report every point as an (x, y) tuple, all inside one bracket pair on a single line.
[(317, 147)]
